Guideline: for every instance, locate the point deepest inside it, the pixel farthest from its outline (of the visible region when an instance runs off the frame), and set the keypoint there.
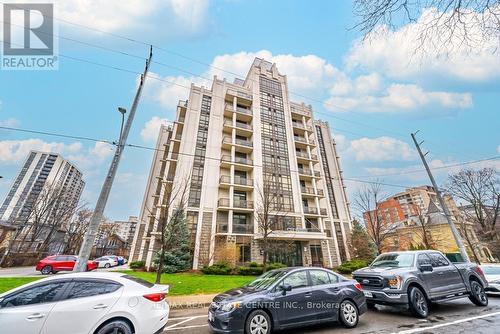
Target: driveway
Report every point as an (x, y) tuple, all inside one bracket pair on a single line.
[(30, 271)]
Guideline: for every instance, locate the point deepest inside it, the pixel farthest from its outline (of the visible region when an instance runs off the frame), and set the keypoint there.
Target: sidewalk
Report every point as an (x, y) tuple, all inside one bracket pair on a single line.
[(189, 301)]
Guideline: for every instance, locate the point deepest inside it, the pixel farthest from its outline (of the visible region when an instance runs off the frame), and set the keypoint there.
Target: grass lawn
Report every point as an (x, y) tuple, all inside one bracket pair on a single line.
[(190, 283), (180, 284), (7, 283)]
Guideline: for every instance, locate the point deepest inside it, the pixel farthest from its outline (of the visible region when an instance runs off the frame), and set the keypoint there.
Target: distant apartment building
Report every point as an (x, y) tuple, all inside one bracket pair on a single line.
[(42, 173), (126, 229), (233, 140), (408, 215)]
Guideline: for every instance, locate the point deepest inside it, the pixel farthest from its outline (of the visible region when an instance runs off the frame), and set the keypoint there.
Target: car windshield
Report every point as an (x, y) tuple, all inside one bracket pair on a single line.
[(265, 280), (491, 270), (393, 260)]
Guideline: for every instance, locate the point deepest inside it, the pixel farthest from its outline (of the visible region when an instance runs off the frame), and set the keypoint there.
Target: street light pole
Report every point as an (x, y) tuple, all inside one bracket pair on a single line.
[(89, 239), (454, 230)]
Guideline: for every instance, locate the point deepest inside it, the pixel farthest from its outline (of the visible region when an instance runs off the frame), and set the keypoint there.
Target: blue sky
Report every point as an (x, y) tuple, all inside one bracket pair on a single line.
[(372, 93)]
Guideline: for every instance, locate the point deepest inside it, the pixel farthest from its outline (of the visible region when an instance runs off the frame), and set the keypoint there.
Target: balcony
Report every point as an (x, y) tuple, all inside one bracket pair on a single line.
[(242, 228), (242, 204), (182, 103), (173, 156), (298, 110), (178, 136), (307, 190), (238, 182), (223, 228), (243, 163), (242, 144), (300, 139), (323, 212), (181, 119), (310, 210), (240, 95), (237, 203)]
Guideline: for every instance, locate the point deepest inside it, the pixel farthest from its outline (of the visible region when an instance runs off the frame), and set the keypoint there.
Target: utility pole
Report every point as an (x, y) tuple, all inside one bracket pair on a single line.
[(454, 230), (88, 241)]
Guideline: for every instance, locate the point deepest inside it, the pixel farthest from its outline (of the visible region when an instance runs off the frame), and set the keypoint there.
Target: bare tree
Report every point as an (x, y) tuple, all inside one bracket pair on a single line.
[(367, 200), (480, 189), (424, 227), (441, 24), (76, 230), (271, 213), (171, 207), (105, 234)]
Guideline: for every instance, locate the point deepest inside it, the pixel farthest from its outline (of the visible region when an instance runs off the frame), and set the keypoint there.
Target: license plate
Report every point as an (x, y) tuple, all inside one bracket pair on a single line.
[(368, 294), (210, 316)]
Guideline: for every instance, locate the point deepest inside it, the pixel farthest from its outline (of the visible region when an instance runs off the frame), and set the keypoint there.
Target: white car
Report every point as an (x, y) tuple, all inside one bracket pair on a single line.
[(85, 303), (492, 274), (106, 262)]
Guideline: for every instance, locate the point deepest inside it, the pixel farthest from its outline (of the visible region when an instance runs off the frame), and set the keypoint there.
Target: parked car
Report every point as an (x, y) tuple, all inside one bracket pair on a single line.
[(85, 303), (106, 262), (120, 260), (492, 274), (418, 278), (285, 298), (55, 263)]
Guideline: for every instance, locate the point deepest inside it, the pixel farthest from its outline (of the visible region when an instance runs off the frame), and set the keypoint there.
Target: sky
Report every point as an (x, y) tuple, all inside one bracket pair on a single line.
[(373, 92)]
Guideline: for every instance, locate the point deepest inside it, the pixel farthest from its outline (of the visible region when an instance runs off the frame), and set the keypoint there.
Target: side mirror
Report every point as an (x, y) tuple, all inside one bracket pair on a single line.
[(426, 267), (285, 288)]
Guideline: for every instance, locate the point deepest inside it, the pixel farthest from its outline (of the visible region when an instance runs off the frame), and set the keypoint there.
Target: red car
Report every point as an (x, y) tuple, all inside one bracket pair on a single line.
[(56, 263)]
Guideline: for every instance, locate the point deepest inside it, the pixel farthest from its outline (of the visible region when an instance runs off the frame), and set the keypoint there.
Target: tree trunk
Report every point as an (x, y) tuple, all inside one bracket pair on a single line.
[(159, 270)]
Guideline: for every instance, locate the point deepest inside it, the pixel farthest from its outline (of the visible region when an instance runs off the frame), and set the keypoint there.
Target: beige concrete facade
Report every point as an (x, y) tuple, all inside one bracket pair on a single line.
[(230, 138)]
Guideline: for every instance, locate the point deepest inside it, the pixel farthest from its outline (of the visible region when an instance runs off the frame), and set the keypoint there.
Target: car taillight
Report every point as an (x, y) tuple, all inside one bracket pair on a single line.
[(155, 297), (479, 271), (358, 286)]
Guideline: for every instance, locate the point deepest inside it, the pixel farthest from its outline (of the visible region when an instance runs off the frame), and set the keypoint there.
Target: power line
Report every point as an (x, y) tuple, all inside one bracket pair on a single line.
[(434, 168), (353, 179)]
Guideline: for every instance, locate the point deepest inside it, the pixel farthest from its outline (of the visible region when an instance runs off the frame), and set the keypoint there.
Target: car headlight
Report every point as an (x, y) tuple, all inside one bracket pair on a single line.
[(230, 306), (395, 282)]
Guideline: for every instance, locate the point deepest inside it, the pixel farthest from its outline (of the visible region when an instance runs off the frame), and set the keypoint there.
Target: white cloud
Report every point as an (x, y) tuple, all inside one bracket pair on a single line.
[(15, 151), (498, 149), (395, 98), (183, 16), (381, 149), (9, 122), (149, 132), (396, 53)]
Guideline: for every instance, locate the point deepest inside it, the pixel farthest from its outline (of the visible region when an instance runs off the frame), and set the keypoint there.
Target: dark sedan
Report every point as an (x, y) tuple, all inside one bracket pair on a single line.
[(285, 298)]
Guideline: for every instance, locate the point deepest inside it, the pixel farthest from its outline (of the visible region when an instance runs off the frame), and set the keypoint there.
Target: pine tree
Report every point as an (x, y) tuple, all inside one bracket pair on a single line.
[(362, 245), (177, 255)]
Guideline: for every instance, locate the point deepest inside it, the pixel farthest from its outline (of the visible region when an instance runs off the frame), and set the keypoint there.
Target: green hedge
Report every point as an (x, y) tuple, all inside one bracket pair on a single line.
[(252, 269), (219, 268), (137, 265), (349, 266)]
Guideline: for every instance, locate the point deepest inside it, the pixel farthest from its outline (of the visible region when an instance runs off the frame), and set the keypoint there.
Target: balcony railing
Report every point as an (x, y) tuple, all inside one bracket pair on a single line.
[(243, 181), (178, 136), (239, 109), (301, 154), (237, 203), (238, 160), (237, 141), (170, 177), (243, 142), (310, 210), (181, 119), (243, 228), (296, 110), (322, 212), (174, 156), (245, 126), (320, 192), (298, 125), (183, 103), (300, 139), (243, 204), (237, 180), (304, 171), (307, 190)]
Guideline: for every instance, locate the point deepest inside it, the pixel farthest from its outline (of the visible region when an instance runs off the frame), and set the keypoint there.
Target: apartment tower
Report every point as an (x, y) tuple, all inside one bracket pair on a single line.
[(237, 143), (40, 171)]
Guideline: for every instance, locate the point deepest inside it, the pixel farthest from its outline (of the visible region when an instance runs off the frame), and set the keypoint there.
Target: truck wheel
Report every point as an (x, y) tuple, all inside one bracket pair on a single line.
[(477, 294), (417, 302)]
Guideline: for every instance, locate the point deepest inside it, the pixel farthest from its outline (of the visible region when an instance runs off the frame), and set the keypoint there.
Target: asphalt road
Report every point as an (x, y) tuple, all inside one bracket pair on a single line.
[(30, 271), (457, 317)]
